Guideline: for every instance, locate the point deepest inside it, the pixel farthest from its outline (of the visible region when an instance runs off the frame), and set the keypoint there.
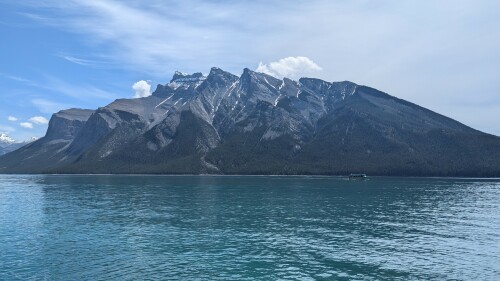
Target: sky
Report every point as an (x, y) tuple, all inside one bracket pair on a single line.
[(443, 55)]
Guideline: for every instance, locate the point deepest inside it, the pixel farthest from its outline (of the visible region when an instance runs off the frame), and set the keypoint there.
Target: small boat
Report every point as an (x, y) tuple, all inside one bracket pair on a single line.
[(357, 176)]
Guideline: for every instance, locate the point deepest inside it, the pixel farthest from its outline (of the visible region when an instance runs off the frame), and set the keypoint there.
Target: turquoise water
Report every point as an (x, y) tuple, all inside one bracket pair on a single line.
[(248, 228)]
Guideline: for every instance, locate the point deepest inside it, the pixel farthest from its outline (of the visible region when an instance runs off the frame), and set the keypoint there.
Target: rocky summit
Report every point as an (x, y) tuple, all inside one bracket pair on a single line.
[(258, 124)]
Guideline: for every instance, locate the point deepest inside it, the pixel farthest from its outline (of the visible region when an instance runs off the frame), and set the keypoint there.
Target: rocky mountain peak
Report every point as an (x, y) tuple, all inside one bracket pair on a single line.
[(258, 124), (259, 77), (217, 72), (183, 77), (248, 74), (185, 81), (219, 78), (66, 123), (75, 114)]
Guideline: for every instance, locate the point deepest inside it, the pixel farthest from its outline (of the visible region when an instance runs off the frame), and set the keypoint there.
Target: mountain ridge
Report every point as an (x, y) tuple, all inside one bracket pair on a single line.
[(8, 144), (258, 124)]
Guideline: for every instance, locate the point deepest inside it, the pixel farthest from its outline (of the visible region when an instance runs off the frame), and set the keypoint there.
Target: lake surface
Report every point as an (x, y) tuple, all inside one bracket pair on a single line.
[(248, 228)]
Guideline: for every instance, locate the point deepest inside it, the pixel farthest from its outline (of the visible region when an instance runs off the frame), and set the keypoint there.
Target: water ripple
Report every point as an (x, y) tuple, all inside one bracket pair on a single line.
[(248, 228)]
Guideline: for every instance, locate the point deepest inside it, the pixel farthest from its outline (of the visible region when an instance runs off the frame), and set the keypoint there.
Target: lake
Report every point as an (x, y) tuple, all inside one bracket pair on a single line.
[(248, 228)]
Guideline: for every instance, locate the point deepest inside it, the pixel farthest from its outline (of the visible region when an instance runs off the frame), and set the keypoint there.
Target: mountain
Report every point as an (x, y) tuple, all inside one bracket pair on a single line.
[(8, 144), (258, 124), (5, 141)]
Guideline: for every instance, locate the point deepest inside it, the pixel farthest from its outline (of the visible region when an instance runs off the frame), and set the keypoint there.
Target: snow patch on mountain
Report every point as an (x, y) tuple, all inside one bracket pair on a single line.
[(8, 144), (185, 81), (5, 139)]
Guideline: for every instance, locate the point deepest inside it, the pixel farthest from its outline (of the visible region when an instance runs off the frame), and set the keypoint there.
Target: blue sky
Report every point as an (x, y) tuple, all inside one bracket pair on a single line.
[(443, 55)]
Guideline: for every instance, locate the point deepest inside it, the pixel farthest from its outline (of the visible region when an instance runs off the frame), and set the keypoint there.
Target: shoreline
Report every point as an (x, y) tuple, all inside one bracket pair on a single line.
[(257, 175)]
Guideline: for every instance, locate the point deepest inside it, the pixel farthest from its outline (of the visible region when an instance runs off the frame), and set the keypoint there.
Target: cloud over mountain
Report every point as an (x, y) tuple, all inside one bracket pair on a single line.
[(142, 89), (293, 67)]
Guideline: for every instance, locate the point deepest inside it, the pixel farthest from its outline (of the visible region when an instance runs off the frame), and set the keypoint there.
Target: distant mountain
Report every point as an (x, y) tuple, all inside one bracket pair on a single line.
[(5, 139), (257, 124), (8, 144)]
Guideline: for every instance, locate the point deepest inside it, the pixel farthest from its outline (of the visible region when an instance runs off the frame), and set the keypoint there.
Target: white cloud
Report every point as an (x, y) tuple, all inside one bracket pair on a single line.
[(396, 48), (39, 120), (12, 118), (290, 67), (26, 125), (142, 89)]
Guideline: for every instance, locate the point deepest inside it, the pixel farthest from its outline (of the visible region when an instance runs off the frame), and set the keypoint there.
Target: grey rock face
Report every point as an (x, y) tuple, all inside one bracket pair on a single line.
[(258, 124), (51, 150), (66, 124)]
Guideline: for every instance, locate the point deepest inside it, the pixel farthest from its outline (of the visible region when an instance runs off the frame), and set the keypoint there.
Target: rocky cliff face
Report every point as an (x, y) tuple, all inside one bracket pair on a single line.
[(51, 150), (257, 124)]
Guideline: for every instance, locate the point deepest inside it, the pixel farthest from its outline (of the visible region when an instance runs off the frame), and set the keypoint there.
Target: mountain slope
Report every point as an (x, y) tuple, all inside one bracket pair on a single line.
[(49, 151), (8, 144), (257, 124)]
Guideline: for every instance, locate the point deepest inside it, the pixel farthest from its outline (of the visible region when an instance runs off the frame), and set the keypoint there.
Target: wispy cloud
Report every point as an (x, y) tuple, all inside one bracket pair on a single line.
[(19, 79), (428, 52), (94, 63), (157, 36), (16, 78), (79, 61), (26, 125), (12, 118), (78, 91), (7, 129), (48, 106), (74, 90)]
